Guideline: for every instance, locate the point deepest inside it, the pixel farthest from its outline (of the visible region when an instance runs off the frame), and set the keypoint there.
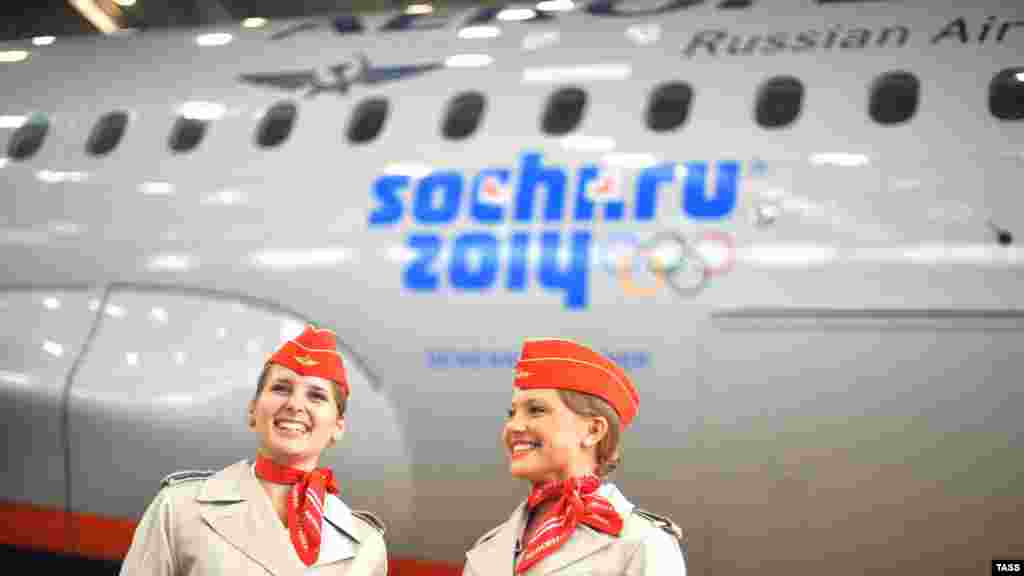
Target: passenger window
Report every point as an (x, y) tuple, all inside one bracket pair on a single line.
[(407, 21), (107, 133), (187, 134), (894, 98), (347, 24), (28, 138), (276, 125), (1006, 94), (633, 9), (367, 120), (669, 106), (779, 102), (564, 111), (463, 115)]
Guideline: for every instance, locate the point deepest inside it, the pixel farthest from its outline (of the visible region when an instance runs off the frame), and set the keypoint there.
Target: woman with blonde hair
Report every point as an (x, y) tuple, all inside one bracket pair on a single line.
[(280, 512), (570, 406)]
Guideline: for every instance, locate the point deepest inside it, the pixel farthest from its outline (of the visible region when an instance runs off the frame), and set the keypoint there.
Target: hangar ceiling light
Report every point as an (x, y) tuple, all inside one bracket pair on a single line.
[(101, 19)]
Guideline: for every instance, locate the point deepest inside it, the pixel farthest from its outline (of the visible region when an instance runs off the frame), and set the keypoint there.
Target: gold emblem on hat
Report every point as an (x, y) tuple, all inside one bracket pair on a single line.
[(306, 361), (522, 374)]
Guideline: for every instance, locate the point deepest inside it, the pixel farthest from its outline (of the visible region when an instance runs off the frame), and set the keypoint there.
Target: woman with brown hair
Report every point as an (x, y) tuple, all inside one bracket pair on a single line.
[(279, 513), (570, 406)]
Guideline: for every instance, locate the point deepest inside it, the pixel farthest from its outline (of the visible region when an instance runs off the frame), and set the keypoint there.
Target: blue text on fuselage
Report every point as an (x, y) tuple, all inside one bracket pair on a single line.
[(444, 197)]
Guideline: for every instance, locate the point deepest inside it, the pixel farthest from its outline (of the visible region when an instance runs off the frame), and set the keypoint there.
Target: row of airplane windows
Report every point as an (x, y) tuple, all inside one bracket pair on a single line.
[(893, 99)]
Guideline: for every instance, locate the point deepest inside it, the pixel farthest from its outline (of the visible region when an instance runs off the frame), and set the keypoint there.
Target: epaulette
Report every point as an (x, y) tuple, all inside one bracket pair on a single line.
[(370, 519), (667, 525), (185, 476), (490, 534)]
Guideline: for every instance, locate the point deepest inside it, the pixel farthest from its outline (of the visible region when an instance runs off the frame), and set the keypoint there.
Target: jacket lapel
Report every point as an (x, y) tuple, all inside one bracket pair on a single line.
[(236, 507), (496, 555), (584, 542), (340, 536)]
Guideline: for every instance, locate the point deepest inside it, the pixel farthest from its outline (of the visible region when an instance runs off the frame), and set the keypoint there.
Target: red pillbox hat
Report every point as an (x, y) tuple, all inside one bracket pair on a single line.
[(564, 364), (313, 353)]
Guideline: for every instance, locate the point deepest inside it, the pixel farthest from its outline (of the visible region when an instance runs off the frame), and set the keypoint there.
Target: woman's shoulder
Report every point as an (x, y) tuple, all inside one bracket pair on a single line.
[(643, 522), (638, 523), (370, 522), (646, 526), (369, 531), (655, 533), (183, 477), (188, 482)]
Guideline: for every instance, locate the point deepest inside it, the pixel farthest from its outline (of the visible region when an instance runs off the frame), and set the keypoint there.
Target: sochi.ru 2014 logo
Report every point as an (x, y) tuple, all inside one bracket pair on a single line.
[(507, 236)]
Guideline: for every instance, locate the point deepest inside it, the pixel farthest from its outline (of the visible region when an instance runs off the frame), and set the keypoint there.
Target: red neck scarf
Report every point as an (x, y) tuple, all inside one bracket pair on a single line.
[(577, 502), (305, 502)]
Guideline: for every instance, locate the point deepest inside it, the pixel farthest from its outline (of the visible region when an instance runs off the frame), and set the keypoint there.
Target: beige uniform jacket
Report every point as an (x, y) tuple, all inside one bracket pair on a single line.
[(642, 549), (225, 524)]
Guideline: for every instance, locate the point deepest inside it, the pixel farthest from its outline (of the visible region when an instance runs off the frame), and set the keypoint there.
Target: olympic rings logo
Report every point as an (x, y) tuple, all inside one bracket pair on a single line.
[(673, 261)]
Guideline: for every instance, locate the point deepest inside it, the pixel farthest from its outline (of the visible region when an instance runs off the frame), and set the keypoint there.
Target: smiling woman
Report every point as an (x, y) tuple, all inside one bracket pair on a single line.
[(569, 407), (296, 413), (280, 511)]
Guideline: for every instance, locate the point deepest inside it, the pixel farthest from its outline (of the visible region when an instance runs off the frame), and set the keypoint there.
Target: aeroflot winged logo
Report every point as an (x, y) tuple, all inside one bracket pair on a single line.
[(337, 78), (497, 244)]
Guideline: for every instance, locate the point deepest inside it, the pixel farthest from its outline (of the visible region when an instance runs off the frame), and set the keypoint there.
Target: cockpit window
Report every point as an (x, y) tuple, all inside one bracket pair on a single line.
[(1006, 94), (107, 133), (669, 106), (276, 125), (463, 115), (894, 98), (367, 120), (187, 133), (779, 102), (28, 138), (564, 111)]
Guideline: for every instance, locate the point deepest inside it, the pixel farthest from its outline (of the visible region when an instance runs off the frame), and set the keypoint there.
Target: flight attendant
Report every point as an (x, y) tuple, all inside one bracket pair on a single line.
[(570, 406), (278, 513)]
